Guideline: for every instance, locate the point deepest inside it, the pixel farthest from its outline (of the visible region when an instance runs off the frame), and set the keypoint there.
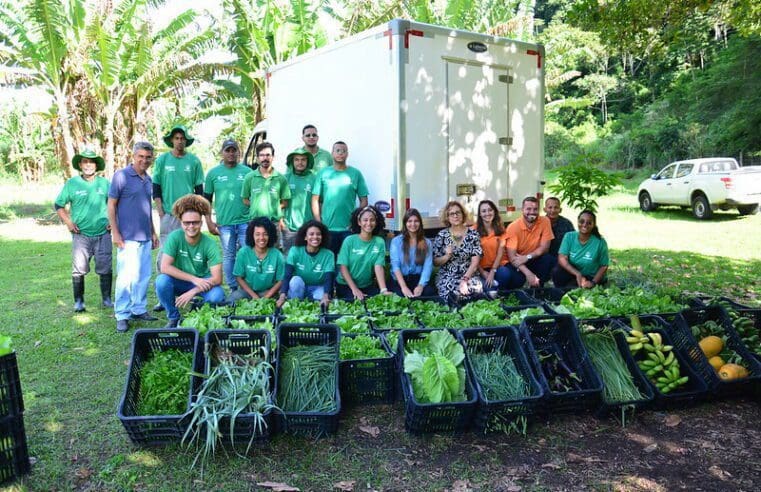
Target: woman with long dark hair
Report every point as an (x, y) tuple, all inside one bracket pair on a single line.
[(362, 257), (411, 258), (492, 233), (583, 256)]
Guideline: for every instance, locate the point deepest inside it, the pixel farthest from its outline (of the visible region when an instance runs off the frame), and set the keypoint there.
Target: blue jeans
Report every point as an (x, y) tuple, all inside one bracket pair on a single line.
[(501, 276), (133, 274), (232, 237), (297, 289), (541, 267), (167, 288)]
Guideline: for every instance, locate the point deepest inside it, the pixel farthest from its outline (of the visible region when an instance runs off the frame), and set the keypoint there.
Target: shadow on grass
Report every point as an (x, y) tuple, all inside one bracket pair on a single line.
[(676, 213)]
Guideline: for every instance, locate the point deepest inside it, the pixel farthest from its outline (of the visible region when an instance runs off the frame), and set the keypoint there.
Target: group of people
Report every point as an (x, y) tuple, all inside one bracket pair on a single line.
[(308, 233)]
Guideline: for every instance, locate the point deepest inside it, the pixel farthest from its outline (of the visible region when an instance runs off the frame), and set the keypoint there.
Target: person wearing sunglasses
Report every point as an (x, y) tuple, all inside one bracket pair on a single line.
[(192, 262), (259, 267), (321, 157), (583, 256), (457, 252)]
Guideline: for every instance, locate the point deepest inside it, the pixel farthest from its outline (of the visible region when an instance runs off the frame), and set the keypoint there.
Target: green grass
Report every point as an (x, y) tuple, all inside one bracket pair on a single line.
[(73, 370)]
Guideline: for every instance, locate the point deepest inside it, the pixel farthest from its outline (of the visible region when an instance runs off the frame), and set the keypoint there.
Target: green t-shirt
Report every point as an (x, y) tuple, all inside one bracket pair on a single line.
[(177, 177), (226, 184), (322, 158), (260, 275), (339, 191), (89, 210), (586, 258), (360, 257), (311, 268), (265, 194), (193, 259), (299, 209)]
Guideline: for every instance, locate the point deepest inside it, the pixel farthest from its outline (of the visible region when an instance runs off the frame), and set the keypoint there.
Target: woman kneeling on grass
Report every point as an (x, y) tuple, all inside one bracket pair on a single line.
[(362, 254), (411, 258), (583, 255), (259, 267), (310, 267), (192, 262)]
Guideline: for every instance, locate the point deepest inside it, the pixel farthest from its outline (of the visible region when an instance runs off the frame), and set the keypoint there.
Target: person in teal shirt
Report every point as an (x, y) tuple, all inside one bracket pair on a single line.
[(300, 179), (335, 193), (192, 263), (321, 157), (362, 256), (226, 182), (583, 256), (310, 267), (87, 196), (259, 267), (265, 191)]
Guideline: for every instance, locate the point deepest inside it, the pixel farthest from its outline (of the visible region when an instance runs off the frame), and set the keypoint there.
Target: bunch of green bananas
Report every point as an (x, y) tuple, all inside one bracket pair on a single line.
[(656, 360), (748, 332)]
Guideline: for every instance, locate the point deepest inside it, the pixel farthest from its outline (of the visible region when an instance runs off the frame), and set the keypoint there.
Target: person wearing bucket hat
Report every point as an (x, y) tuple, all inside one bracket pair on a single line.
[(87, 220), (226, 182), (175, 174), (322, 157), (300, 177)]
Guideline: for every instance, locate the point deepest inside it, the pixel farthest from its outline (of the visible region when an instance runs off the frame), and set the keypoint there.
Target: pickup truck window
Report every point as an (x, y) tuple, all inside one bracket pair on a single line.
[(667, 172), (684, 170)]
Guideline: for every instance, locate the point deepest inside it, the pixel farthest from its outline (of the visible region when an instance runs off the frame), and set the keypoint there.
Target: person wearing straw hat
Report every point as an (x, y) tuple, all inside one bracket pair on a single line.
[(175, 174), (87, 220)]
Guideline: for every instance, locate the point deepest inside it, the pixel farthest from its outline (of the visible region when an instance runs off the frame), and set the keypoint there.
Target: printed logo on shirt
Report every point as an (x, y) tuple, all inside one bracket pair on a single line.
[(198, 257), (187, 168), (241, 177), (318, 268), (222, 179), (376, 250), (169, 169), (80, 193)]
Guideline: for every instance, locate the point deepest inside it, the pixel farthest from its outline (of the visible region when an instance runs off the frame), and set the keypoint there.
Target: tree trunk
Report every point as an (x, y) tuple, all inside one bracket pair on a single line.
[(64, 141)]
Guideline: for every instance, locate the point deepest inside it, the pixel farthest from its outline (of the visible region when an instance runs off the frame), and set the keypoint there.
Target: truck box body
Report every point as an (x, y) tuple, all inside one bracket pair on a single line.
[(428, 113)]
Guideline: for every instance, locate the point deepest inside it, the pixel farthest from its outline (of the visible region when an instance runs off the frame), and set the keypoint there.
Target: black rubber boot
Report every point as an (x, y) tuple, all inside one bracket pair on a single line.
[(105, 290), (78, 283)]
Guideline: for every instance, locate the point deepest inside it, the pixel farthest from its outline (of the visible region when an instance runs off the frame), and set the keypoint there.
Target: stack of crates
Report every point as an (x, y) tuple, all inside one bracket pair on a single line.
[(14, 455)]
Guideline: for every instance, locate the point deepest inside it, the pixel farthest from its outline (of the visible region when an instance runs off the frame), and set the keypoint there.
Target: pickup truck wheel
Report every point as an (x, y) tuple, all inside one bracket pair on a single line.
[(701, 208), (646, 202), (748, 209)]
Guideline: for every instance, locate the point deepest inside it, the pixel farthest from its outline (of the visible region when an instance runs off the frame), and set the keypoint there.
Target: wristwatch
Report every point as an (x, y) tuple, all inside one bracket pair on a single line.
[(529, 256)]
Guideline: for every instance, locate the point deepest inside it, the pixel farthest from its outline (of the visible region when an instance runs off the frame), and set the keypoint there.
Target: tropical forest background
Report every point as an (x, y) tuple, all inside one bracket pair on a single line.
[(630, 85)]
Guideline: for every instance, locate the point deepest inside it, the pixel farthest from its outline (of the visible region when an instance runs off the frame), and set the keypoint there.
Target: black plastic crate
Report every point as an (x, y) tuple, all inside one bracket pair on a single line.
[(14, 455), (638, 377), (520, 295), (559, 334), (157, 429), (726, 302), (420, 418), (11, 399), (367, 381), (547, 294), (546, 310), (691, 393), (684, 338), (242, 342), (755, 316), (311, 423), (335, 319), (493, 414)]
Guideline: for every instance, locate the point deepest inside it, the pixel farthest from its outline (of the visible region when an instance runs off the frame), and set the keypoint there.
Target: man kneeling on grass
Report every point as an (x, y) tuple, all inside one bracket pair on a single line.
[(192, 262)]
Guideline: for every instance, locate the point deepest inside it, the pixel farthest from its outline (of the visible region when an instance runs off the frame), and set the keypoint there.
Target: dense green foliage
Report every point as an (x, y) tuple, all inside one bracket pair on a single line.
[(165, 383)]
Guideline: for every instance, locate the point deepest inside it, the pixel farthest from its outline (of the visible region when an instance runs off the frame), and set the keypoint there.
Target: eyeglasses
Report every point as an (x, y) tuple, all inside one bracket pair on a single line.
[(586, 222), (189, 223), (310, 135), (454, 213), (340, 151)]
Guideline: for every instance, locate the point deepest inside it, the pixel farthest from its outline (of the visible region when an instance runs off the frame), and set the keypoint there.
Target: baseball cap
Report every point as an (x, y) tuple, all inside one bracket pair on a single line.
[(230, 143)]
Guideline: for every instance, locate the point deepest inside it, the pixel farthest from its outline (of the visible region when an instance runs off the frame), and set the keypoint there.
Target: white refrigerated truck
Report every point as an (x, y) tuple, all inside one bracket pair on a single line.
[(429, 114)]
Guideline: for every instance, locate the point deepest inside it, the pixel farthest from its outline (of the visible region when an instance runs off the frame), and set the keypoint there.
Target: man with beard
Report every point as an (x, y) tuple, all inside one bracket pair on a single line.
[(87, 220), (528, 240), (265, 191), (321, 157)]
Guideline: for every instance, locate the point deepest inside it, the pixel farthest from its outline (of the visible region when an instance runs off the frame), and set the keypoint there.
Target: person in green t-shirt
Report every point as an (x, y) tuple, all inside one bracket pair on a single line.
[(583, 256), (335, 193), (175, 174), (362, 255), (87, 196), (322, 157), (310, 267), (259, 267), (265, 191), (226, 182), (300, 179), (192, 263)]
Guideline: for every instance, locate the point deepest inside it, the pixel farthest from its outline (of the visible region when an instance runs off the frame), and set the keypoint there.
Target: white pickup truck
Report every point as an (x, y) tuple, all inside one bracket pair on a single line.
[(705, 185)]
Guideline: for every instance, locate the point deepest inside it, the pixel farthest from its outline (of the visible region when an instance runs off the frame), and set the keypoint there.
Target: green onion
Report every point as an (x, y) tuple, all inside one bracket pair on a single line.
[(610, 364), (307, 379)]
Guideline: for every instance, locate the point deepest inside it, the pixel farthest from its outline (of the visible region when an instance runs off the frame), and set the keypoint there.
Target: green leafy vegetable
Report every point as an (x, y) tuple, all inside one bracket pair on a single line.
[(206, 318), (442, 320), (436, 368), (339, 306), (165, 383), (352, 324), (362, 347), (423, 307), (613, 301), (516, 317), (307, 379), (394, 322), (301, 307), (383, 303), (255, 307)]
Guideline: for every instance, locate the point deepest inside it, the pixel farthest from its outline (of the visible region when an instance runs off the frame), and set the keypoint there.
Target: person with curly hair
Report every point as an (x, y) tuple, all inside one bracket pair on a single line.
[(363, 254), (192, 262), (457, 252), (411, 258), (259, 267), (310, 267)]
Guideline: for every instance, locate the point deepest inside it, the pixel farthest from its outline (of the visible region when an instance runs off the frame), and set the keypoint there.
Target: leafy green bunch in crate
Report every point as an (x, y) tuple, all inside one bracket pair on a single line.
[(443, 320), (206, 318), (436, 365), (255, 307), (511, 300), (394, 321), (423, 307), (516, 317), (483, 312), (383, 303), (301, 308), (339, 306), (362, 347), (165, 383), (352, 324), (599, 302)]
